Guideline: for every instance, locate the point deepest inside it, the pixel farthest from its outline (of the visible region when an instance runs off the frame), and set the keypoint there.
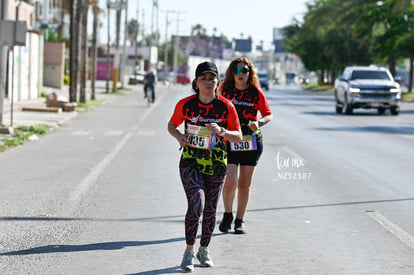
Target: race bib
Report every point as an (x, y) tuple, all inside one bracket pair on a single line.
[(200, 137), (247, 144)]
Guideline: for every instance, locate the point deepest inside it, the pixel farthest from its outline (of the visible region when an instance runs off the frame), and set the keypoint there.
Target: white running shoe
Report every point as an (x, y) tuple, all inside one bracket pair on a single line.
[(187, 264), (204, 257)]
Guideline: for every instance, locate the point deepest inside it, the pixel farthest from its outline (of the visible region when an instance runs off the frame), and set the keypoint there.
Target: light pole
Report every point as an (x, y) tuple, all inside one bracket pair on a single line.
[(3, 55), (108, 5)]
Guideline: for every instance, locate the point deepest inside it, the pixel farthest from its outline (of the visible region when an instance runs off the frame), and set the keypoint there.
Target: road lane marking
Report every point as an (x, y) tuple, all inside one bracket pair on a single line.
[(114, 133), (392, 228), (82, 133), (87, 182), (146, 133)]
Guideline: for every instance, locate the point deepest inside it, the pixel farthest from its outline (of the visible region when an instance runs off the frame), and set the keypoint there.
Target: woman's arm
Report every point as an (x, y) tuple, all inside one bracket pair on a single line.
[(232, 136), (255, 125), (175, 132)]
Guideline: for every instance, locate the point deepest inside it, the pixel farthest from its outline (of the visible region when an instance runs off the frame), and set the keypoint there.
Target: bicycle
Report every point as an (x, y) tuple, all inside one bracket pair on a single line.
[(151, 97)]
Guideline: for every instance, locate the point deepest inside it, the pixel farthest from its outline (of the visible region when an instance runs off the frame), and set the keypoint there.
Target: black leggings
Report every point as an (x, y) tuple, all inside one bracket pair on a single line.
[(203, 192)]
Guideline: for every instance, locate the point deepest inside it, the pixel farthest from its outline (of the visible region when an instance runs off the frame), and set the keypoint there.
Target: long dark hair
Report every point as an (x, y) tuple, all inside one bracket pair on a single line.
[(229, 81)]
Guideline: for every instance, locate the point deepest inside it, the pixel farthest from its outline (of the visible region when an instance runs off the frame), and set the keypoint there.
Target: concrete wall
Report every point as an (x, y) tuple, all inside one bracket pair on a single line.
[(25, 62), (54, 64)]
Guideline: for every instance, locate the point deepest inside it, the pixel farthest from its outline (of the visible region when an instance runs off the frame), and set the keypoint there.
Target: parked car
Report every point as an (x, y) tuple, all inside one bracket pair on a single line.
[(183, 79), (137, 78), (264, 80), (367, 87)]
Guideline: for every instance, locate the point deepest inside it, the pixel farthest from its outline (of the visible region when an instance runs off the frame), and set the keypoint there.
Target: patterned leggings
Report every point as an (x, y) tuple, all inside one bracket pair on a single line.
[(203, 192)]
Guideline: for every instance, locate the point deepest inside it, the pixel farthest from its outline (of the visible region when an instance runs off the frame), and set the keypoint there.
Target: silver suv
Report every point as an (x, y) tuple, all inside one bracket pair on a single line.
[(367, 87)]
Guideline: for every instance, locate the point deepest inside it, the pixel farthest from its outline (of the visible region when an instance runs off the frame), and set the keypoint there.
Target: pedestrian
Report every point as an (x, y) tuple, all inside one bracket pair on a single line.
[(209, 121), (242, 87)]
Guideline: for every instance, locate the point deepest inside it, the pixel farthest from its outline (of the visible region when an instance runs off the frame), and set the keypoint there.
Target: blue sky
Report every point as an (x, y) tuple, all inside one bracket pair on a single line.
[(255, 18)]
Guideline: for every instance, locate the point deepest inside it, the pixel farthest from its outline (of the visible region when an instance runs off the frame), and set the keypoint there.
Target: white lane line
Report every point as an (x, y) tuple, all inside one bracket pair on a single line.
[(114, 133), (146, 133), (87, 182), (82, 133), (392, 228)]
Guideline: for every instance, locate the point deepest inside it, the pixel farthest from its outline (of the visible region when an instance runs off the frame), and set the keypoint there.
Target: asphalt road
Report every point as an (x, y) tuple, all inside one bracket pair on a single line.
[(333, 194)]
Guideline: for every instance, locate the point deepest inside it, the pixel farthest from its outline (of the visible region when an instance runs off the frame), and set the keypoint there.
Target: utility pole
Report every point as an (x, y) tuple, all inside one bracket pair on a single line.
[(154, 5), (3, 55), (125, 55), (118, 6), (176, 42), (108, 49), (117, 38), (136, 38), (166, 46)]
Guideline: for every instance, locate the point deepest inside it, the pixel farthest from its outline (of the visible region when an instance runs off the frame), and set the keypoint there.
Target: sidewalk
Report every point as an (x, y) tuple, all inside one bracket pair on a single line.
[(29, 118)]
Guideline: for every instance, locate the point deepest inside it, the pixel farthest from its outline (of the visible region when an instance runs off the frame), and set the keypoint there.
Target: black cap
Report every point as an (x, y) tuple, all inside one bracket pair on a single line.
[(206, 67)]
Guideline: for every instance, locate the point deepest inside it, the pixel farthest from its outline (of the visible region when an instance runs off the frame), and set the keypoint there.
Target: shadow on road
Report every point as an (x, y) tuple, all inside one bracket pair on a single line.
[(168, 270), (62, 248), (328, 205), (405, 130), (87, 247)]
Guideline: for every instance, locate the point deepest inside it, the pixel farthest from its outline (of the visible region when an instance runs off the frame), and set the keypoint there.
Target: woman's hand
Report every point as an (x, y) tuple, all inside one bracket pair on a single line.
[(253, 125), (215, 128), (175, 132), (182, 139)]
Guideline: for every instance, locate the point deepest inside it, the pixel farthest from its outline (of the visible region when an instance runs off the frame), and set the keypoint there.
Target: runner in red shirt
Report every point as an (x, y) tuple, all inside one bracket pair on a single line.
[(209, 121), (242, 87)]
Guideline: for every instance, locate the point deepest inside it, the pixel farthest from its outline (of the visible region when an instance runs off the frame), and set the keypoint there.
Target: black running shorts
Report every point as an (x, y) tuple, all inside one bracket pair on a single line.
[(249, 158)]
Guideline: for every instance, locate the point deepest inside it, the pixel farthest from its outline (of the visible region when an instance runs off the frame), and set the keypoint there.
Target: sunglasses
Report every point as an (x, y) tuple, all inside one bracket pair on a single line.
[(240, 70)]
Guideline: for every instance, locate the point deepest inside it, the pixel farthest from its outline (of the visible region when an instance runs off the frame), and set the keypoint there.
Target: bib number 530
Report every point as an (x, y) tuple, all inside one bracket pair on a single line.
[(247, 144)]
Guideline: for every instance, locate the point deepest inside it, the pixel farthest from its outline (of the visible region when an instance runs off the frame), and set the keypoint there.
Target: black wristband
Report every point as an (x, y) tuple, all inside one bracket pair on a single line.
[(260, 123)]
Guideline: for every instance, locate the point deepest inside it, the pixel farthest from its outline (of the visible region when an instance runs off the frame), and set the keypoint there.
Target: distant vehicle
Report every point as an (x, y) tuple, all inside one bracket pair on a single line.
[(183, 79), (290, 78), (137, 78), (367, 87), (264, 80), (222, 76), (303, 80)]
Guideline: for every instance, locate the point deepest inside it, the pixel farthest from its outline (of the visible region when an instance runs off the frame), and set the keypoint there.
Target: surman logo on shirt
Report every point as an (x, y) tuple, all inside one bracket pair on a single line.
[(195, 119), (242, 103), (204, 120)]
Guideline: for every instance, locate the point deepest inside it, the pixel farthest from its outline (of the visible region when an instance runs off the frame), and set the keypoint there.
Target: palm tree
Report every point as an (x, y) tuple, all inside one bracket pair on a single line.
[(96, 11), (84, 50), (199, 31), (76, 13), (133, 30)]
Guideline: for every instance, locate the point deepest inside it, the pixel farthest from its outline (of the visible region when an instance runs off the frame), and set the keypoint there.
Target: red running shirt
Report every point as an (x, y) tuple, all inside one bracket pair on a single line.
[(248, 103), (206, 151)]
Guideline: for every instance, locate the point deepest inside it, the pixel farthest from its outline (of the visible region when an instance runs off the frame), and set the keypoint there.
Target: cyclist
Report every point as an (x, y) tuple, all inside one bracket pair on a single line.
[(149, 82)]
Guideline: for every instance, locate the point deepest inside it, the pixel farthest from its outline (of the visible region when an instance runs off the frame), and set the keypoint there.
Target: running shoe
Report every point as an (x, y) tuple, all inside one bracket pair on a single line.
[(239, 227), (204, 257), (225, 224), (187, 264)]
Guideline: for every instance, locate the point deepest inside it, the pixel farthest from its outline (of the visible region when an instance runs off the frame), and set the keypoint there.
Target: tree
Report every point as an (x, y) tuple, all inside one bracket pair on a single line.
[(199, 31), (84, 50), (351, 32), (76, 13), (133, 30), (96, 11)]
